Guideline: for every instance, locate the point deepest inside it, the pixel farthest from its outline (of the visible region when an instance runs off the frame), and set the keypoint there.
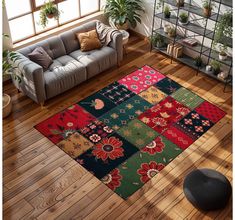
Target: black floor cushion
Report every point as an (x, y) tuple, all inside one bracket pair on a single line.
[(207, 189)]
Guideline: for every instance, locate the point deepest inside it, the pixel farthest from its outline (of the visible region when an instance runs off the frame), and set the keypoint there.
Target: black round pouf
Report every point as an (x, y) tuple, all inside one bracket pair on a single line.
[(207, 189)]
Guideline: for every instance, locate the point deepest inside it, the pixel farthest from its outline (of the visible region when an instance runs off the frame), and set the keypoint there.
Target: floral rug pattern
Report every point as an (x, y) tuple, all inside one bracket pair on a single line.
[(127, 132)]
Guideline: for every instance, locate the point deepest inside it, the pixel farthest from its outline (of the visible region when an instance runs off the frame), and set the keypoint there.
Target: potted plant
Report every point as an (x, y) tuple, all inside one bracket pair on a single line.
[(158, 40), (7, 69), (167, 12), (166, 28), (121, 13), (208, 6), (223, 55), (48, 10), (198, 61), (223, 28), (180, 3), (171, 32), (183, 18), (215, 67)]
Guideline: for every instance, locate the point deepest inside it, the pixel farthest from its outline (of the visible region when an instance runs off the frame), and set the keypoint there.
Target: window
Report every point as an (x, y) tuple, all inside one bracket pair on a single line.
[(24, 19)]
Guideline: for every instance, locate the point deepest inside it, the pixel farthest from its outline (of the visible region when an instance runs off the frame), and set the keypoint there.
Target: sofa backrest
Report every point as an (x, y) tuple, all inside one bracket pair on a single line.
[(63, 44), (53, 46), (69, 37)]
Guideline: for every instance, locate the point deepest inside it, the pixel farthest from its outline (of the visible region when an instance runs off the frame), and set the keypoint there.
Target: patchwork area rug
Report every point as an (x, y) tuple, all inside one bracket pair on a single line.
[(130, 130)]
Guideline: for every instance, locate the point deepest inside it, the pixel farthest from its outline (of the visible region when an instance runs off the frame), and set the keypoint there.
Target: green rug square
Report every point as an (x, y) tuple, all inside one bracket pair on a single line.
[(131, 175), (123, 113), (138, 133), (187, 98)]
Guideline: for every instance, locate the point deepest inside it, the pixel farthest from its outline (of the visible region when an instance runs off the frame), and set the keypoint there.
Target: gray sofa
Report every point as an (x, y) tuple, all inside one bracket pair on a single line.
[(70, 66)]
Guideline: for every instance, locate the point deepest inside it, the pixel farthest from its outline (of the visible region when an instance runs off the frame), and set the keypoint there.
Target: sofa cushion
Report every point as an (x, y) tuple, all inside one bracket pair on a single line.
[(41, 57), (96, 61), (64, 73), (69, 38), (89, 40), (53, 46)]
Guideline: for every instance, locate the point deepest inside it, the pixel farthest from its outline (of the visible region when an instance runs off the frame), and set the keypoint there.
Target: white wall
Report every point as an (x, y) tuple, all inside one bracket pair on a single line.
[(7, 43), (145, 28)]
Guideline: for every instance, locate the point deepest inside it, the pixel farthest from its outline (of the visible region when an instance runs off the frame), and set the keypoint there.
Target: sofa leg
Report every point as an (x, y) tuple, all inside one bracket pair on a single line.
[(18, 91)]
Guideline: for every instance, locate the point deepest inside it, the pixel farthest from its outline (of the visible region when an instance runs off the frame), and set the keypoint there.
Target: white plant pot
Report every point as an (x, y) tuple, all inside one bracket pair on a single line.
[(181, 23), (6, 105), (221, 57)]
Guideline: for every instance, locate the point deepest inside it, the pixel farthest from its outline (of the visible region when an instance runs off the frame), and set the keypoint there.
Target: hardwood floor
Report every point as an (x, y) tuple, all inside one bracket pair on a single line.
[(41, 182)]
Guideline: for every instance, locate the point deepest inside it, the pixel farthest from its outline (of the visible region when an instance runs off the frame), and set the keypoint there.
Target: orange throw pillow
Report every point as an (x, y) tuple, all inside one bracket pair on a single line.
[(89, 40)]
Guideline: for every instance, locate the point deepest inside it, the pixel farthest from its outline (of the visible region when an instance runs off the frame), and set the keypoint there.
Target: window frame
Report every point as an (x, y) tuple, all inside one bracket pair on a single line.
[(35, 9)]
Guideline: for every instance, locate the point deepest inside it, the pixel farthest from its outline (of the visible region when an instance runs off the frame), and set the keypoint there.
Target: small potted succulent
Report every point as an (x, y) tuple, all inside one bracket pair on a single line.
[(158, 40), (223, 55), (183, 18), (198, 61), (167, 12), (215, 67), (208, 6), (48, 10), (171, 32), (180, 3)]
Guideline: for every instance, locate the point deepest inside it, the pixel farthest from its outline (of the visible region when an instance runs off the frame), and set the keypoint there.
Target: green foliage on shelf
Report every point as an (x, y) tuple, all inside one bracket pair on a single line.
[(216, 65), (157, 40), (224, 27), (208, 4), (47, 10), (172, 32), (183, 17), (198, 61), (122, 11), (167, 11)]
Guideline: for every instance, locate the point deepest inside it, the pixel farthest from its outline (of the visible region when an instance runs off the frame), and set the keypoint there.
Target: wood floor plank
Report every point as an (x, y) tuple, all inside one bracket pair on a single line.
[(42, 182)]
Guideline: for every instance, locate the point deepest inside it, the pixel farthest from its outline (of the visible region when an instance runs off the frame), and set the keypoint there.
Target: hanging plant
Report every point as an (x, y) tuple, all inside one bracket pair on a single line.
[(48, 10)]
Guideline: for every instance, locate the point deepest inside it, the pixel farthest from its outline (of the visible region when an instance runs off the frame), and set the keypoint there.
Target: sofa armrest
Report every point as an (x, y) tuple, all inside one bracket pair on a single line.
[(32, 78), (117, 45)]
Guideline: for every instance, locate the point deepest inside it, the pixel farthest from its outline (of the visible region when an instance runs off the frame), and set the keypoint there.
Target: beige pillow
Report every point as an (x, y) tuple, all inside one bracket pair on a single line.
[(89, 40)]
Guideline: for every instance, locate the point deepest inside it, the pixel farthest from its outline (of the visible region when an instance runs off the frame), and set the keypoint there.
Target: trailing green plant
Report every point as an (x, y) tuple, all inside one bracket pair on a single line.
[(198, 61), (216, 65), (167, 11), (157, 40), (48, 10), (122, 11), (183, 17), (223, 28), (8, 57)]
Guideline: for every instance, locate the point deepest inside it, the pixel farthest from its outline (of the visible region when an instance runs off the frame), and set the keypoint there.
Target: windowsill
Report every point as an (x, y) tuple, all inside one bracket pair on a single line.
[(58, 30)]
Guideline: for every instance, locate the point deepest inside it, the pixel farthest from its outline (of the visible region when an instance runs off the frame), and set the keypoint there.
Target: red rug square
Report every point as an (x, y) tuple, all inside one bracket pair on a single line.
[(178, 137), (210, 111), (61, 125), (164, 114), (141, 79)]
